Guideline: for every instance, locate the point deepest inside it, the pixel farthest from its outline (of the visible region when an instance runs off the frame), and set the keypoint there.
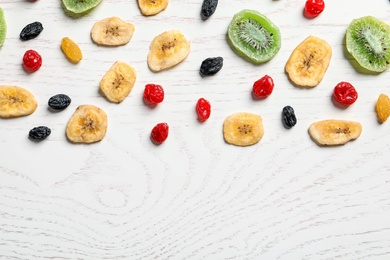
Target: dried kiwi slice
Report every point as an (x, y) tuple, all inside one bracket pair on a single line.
[(80, 6), (3, 27), (368, 41), (253, 36)]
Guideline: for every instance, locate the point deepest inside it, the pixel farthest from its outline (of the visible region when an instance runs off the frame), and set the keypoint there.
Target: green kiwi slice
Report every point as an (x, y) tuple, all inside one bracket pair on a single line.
[(80, 6), (253, 36), (368, 41), (3, 27)]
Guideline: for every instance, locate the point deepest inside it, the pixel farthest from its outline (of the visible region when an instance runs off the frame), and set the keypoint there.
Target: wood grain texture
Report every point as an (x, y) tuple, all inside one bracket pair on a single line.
[(194, 197)]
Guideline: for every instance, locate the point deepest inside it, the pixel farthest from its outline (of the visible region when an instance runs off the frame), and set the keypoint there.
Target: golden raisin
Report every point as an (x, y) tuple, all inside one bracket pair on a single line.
[(382, 108), (71, 50)]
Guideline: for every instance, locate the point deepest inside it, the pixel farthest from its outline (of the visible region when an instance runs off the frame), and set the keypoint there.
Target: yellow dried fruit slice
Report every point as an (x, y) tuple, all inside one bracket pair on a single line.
[(243, 129), (382, 108), (71, 50), (152, 7), (118, 81), (16, 101), (112, 31)]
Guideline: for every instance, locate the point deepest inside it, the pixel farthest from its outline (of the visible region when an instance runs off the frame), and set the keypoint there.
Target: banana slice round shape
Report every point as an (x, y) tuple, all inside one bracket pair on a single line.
[(243, 129), (308, 62), (334, 131), (152, 7), (16, 101), (167, 50), (118, 81), (112, 31), (88, 124)]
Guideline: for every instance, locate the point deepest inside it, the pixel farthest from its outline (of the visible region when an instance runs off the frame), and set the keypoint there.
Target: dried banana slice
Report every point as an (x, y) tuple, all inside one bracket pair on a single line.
[(118, 81), (112, 31), (334, 132), (16, 101), (88, 124), (167, 50), (243, 129), (152, 7), (308, 62)]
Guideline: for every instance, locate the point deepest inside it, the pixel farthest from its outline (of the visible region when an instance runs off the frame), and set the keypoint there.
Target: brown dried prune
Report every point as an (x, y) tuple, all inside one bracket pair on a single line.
[(59, 102), (39, 133), (211, 66), (289, 118), (208, 8), (30, 31)]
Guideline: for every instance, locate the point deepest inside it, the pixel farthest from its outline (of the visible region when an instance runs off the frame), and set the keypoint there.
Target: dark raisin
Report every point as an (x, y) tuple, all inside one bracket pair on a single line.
[(39, 133), (30, 31), (289, 118), (59, 101), (208, 8), (211, 66)]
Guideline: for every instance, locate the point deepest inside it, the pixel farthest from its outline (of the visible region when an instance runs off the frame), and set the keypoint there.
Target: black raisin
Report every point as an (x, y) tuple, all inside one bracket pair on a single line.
[(289, 118), (30, 31), (59, 101), (39, 133), (208, 8), (211, 66)]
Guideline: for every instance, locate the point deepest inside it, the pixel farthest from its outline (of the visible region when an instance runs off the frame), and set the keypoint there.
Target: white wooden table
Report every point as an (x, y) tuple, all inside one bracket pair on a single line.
[(194, 197)]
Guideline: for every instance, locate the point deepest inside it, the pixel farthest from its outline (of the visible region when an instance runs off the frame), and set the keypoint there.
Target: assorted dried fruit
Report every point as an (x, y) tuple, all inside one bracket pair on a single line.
[(112, 31), (32, 61), (263, 87), (80, 6), (208, 8), (254, 36), (243, 129), (211, 66), (289, 118), (153, 93), (159, 133), (203, 109), (59, 102), (71, 50), (3, 27), (31, 31), (16, 101), (118, 81), (88, 124), (345, 94), (39, 133), (368, 41), (313, 8), (334, 132), (152, 7), (382, 108), (167, 50), (309, 62)]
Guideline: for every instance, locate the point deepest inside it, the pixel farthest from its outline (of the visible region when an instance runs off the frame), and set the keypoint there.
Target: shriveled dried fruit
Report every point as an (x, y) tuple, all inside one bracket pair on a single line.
[(152, 7), (88, 124), (211, 66), (59, 101), (334, 132), (345, 94), (32, 61), (208, 8), (39, 133), (153, 93), (159, 133), (112, 31), (263, 87), (203, 109), (31, 31), (289, 118), (118, 81), (71, 50), (382, 108), (16, 101), (243, 129)]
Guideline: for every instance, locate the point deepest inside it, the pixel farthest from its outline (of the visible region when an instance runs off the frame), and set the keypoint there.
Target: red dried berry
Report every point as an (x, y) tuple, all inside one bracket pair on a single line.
[(154, 93), (203, 109), (263, 87), (160, 133), (345, 93), (313, 8), (32, 61)]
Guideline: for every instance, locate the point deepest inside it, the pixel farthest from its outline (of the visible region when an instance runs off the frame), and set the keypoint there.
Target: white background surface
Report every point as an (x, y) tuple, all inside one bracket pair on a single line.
[(194, 197)]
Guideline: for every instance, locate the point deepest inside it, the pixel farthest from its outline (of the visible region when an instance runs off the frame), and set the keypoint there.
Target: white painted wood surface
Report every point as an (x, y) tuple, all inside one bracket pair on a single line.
[(194, 197)]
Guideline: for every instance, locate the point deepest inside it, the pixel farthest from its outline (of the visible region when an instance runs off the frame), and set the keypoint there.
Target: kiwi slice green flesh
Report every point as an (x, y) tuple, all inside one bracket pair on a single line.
[(368, 41), (253, 36), (80, 6), (3, 27)]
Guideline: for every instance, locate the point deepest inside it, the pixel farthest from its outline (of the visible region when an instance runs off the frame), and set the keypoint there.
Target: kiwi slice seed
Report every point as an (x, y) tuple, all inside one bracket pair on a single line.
[(3, 27), (253, 36), (80, 6), (368, 41)]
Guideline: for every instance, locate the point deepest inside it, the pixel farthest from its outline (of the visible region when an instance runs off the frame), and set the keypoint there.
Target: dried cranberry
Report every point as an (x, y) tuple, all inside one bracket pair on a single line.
[(153, 93), (203, 109), (345, 93), (313, 8), (32, 61), (159, 133), (263, 87)]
